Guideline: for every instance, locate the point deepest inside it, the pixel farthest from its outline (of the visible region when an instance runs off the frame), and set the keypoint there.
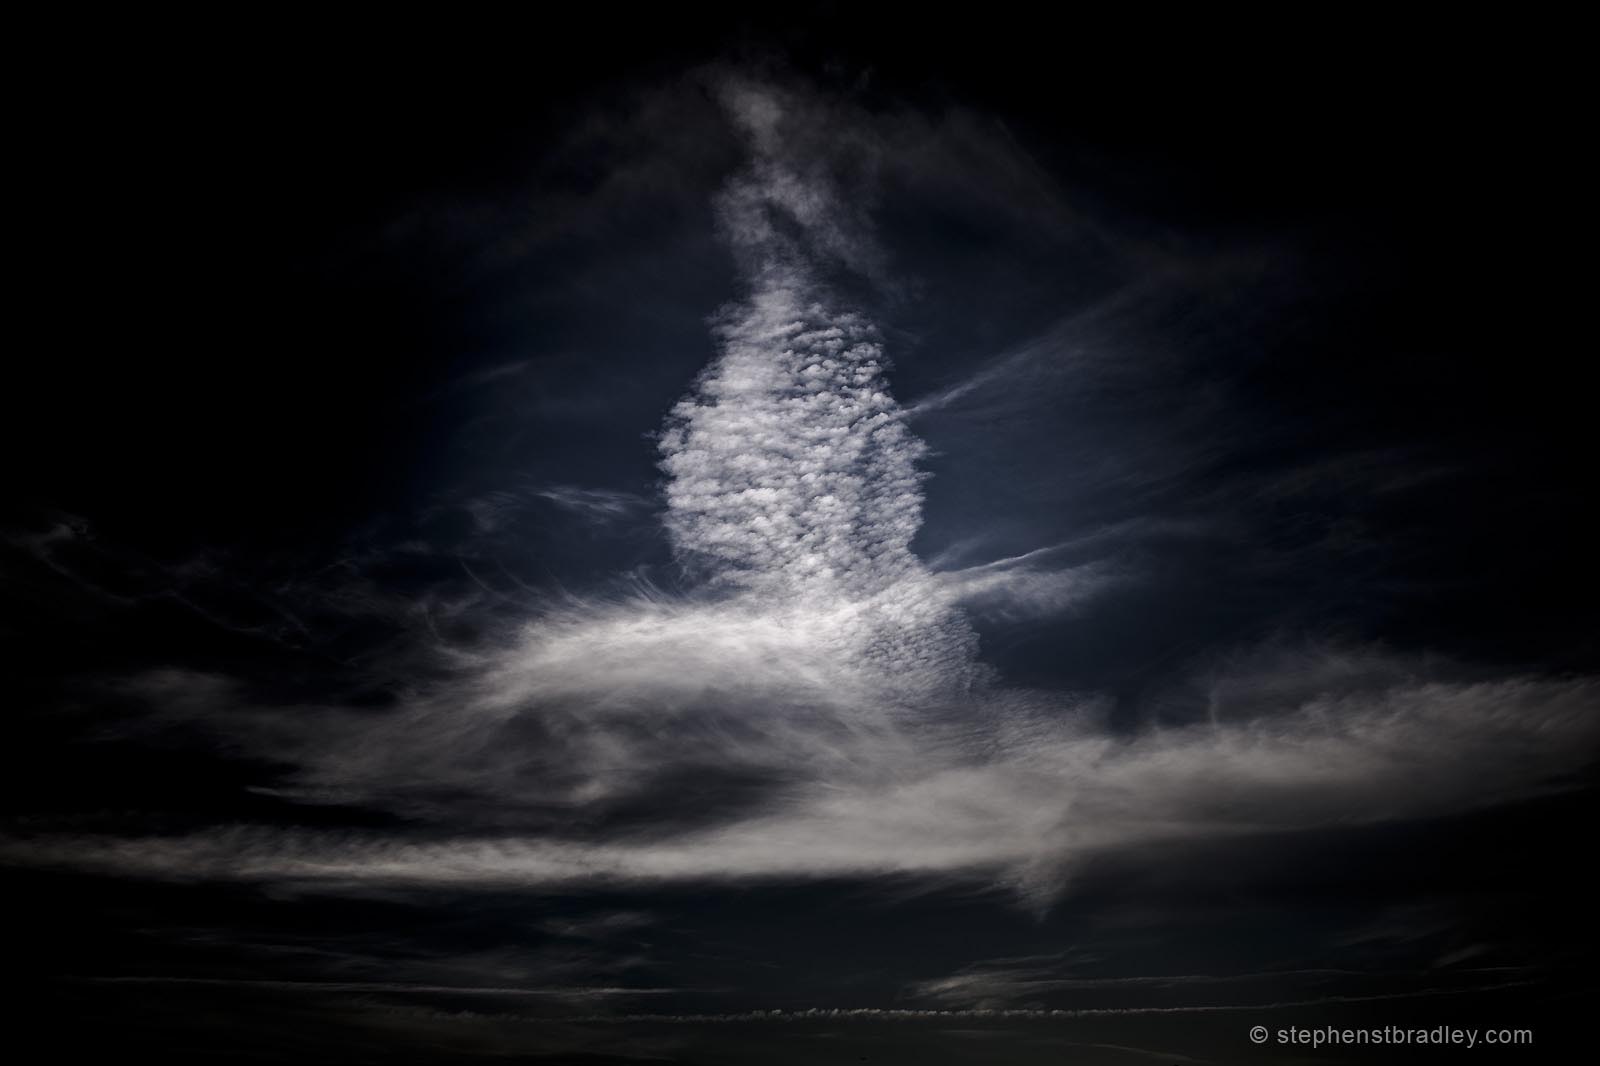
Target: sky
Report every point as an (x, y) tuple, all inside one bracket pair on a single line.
[(805, 539)]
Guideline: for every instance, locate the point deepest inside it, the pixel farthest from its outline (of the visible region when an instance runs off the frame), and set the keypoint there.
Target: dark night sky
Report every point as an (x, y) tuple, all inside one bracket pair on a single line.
[(539, 542)]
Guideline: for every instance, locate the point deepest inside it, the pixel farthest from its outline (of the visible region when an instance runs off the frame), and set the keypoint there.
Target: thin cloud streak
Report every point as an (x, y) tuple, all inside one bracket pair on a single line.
[(1033, 1013), (572, 992)]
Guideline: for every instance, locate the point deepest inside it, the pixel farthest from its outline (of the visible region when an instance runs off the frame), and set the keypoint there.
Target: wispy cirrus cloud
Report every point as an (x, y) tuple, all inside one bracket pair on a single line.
[(572, 992), (843, 794), (596, 505)]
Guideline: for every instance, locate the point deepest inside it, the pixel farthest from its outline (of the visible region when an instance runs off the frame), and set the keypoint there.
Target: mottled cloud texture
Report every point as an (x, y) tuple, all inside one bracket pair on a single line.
[(817, 704)]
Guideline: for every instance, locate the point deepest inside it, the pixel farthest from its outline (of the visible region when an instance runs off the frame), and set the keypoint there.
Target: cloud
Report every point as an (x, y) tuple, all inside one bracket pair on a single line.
[(1036, 1013), (596, 505), (813, 704), (788, 212), (1019, 801), (575, 992), (1022, 587), (1030, 982)]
